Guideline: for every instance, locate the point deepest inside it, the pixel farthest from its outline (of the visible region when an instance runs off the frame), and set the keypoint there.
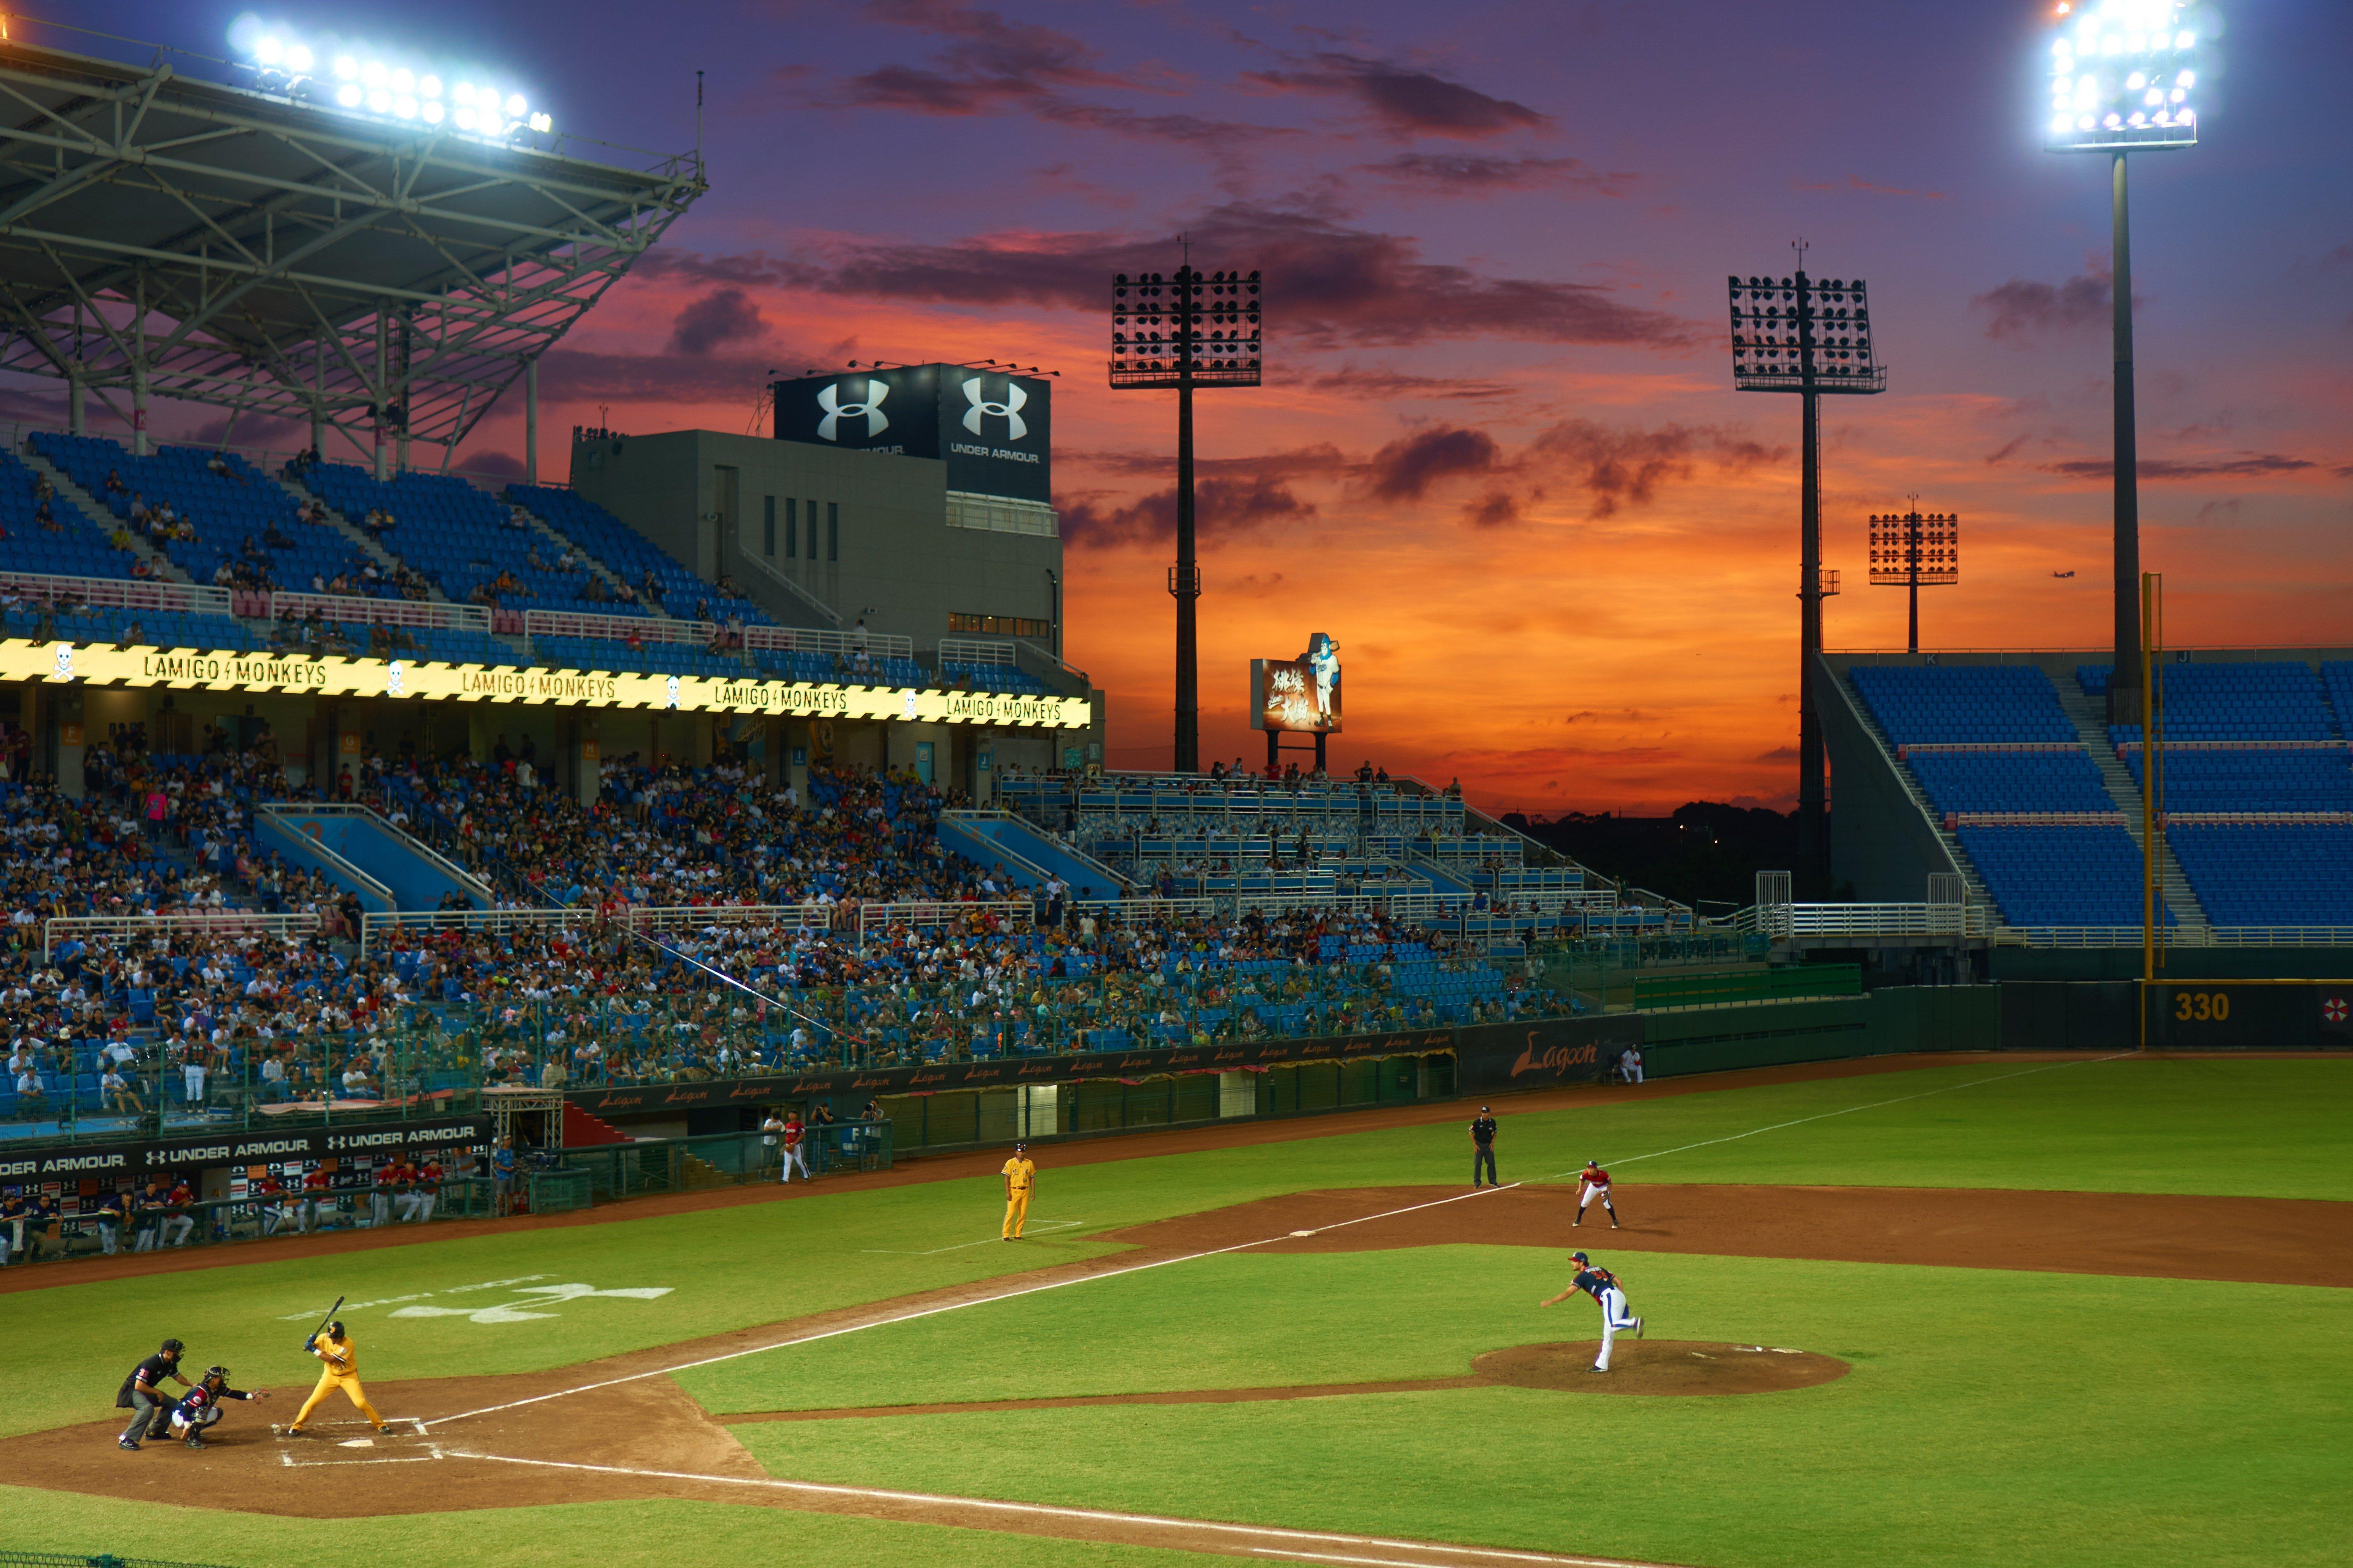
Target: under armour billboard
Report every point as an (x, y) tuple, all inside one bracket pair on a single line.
[(995, 431)]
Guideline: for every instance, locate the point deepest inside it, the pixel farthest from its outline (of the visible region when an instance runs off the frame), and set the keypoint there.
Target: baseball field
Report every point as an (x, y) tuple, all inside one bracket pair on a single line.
[(1999, 1311)]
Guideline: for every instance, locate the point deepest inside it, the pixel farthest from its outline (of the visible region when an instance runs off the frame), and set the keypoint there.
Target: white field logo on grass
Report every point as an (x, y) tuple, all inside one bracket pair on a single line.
[(314, 1313), (534, 1296)]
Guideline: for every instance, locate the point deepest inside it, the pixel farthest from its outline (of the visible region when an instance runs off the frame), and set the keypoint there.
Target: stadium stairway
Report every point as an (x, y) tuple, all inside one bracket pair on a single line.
[(1979, 893), (582, 1131), (357, 535), (981, 836), (98, 517), (417, 875), (2092, 724), (548, 532)]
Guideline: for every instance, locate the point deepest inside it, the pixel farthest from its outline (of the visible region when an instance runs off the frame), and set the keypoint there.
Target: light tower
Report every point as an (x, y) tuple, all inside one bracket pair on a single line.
[(2122, 78), (1810, 337), (1916, 550), (1188, 329)]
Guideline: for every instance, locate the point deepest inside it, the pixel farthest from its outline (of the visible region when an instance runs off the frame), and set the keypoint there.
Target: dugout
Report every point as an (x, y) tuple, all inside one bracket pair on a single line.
[(949, 1120)]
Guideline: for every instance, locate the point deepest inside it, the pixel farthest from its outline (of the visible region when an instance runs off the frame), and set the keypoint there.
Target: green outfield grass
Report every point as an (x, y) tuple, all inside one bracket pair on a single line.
[(2048, 1413), (1993, 1418)]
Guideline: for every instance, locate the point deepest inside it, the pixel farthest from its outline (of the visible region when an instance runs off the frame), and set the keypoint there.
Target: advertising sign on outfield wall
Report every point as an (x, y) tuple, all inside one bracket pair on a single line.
[(2250, 1015), (1538, 1053), (246, 1146), (933, 1078)]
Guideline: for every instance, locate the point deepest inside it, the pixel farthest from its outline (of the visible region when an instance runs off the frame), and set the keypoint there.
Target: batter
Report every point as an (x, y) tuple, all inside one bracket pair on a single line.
[(341, 1370)]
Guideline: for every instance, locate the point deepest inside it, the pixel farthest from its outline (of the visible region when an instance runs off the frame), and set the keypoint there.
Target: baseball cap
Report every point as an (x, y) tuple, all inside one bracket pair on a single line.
[(1579, 1257)]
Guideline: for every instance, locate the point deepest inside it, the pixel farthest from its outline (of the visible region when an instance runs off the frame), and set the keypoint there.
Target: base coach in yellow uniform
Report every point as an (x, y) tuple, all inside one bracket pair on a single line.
[(341, 1370), (1020, 1178)]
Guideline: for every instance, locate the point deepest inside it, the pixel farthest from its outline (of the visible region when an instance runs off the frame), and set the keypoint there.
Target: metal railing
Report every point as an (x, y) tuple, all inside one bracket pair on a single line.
[(799, 640), (338, 864), (1782, 921), (119, 593), (537, 623), (650, 917), (355, 609), (928, 915), (965, 650), (285, 810), (220, 923), (2178, 936)]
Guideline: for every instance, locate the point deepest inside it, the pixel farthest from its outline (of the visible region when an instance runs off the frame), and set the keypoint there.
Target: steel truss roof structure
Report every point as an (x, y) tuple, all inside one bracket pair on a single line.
[(161, 235)]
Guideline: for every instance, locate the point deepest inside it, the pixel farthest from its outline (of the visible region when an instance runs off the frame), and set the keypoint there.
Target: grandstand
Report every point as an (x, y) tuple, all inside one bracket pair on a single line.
[(2001, 770)]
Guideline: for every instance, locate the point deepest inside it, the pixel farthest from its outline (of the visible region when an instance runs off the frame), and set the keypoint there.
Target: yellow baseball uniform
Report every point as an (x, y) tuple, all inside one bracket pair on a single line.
[(341, 1369), (1021, 1176)]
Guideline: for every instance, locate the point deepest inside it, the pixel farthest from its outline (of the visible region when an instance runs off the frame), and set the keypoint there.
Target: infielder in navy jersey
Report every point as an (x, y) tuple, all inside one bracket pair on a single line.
[(1602, 1286)]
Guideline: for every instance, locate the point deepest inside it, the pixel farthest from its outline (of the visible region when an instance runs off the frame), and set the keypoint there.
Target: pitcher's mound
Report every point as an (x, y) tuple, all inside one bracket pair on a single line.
[(1659, 1367)]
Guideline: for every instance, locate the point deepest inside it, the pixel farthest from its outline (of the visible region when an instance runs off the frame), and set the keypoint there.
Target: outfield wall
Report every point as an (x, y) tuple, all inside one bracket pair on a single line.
[(1886, 1022)]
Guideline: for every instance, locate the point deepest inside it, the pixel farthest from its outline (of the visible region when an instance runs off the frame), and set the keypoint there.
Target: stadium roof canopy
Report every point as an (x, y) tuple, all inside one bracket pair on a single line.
[(161, 234)]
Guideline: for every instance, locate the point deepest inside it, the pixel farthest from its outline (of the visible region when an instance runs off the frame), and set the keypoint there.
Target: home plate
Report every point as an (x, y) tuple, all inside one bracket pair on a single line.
[(357, 1443), (1303, 1233)]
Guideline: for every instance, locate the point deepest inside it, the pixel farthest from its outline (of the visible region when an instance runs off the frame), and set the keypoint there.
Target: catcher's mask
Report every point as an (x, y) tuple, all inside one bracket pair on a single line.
[(215, 1377)]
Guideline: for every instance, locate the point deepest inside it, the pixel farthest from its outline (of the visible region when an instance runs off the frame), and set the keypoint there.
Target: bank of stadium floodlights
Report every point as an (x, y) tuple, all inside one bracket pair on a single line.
[(324, 235), (1811, 337), (2123, 77), (1188, 329), (1916, 549)]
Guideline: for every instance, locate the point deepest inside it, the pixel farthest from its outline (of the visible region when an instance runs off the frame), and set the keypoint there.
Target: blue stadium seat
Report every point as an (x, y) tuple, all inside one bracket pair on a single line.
[(2247, 875), (1957, 704)]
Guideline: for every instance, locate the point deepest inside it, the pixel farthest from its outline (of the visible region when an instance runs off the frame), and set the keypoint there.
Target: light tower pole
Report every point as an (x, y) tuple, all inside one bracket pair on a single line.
[(1913, 552), (1187, 330), (1813, 338), (2124, 78)]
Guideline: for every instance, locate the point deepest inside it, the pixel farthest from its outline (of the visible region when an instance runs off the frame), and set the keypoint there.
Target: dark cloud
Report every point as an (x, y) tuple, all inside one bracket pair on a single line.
[(2022, 307), (724, 317), (575, 376), (1857, 182), (1479, 175), (2251, 466), (1496, 509), (1406, 468), (251, 430), (1406, 100), (1328, 283), (987, 62), (1779, 754), (1615, 467), (1381, 385), (1323, 459), (1223, 505)]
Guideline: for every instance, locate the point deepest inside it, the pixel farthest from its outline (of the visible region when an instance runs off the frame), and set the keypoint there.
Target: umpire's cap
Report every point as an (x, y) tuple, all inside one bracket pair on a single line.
[(1579, 1257), (173, 1347)]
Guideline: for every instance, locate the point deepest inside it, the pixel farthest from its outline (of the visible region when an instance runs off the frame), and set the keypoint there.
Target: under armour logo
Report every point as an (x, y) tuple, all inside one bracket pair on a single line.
[(829, 399), (1010, 409), (394, 680)]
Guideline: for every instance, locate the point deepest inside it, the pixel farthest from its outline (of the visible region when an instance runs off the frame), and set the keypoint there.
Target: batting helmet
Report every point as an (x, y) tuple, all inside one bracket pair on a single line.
[(335, 1330), (1579, 1257)]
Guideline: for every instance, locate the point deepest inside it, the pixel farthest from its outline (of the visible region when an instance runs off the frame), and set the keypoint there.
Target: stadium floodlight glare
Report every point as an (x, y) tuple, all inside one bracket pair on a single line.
[(2124, 75), (364, 80)]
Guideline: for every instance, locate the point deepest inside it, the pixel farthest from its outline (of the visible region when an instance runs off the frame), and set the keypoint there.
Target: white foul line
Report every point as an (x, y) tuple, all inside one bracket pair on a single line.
[(1923, 1094), (948, 1306), (992, 1505), (1043, 1227)]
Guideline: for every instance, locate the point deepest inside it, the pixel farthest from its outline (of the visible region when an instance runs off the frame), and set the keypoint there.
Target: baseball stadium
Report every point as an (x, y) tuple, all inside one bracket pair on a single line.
[(634, 1019)]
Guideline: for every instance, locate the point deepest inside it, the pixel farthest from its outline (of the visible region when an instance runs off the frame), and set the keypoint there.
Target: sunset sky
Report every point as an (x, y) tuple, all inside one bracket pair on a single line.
[(1499, 456)]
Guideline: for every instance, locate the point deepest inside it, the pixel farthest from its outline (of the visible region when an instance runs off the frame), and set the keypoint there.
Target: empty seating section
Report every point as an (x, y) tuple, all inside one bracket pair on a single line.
[(2337, 684), (2012, 781), (2247, 781), (235, 514), (630, 554), (449, 645), (649, 659), (458, 536), (2059, 876), (2254, 701), (999, 677), (70, 546), (1958, 704), (2268, 875)]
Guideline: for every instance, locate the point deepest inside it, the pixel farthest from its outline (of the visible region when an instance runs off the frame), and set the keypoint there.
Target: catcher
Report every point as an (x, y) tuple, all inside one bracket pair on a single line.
[(341, 1370), (200, 1406)]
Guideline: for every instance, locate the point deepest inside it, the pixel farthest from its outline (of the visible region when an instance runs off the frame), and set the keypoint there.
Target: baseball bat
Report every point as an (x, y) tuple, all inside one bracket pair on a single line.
[(328, 1319)]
